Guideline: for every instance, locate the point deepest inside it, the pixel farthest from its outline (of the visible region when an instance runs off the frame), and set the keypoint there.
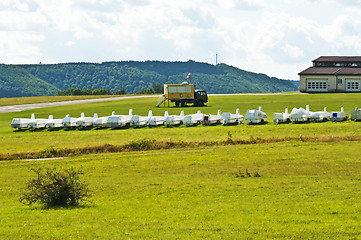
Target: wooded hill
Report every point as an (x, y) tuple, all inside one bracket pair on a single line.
[(17, 82), (133, 76)]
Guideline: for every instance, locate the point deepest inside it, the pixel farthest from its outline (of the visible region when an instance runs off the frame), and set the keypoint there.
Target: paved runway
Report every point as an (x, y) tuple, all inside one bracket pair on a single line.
[(24, 107)]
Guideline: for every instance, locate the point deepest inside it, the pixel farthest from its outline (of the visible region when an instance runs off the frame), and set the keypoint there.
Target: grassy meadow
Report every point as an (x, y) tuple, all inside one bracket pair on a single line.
[(307, 189)]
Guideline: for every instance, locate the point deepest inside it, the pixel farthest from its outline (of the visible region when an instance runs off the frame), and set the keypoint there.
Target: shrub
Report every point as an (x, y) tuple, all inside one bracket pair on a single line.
[(53, 188), (239, 173), (229, 137), (49, 152), (142, 145), (120, 92)]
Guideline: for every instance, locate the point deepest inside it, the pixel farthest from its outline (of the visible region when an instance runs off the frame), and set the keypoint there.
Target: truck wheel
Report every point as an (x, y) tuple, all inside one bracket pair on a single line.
[(199, 104)]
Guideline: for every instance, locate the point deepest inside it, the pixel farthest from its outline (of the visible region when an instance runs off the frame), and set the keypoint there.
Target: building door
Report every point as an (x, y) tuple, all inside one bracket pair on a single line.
[(353, 85), (317, 85)]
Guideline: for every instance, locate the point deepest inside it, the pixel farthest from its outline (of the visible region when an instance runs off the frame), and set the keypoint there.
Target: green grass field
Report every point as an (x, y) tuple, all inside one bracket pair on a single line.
[(307, 190), (14, 142)]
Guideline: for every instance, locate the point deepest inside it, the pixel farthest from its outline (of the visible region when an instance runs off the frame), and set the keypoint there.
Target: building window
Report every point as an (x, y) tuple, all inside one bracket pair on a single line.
[(339, 81), (352, 85), (317, 85), (337, 64)]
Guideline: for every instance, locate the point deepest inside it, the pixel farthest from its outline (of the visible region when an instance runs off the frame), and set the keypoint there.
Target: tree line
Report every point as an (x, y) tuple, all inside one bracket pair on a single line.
[(156, 89)]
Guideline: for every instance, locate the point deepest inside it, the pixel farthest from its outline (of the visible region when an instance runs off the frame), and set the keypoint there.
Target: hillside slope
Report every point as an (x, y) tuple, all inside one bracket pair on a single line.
[(133, 76), (17, 82)]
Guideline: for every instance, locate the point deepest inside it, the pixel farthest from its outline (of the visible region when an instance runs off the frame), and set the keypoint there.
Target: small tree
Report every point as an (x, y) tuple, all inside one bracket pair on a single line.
[(120, 92), (75, 91), (101, 91), (149, 90), (53, 188), (87, 92), (158, 88)]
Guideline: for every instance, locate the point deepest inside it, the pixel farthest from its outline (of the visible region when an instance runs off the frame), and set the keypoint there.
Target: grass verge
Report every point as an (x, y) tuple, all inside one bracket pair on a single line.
[(152, 144)]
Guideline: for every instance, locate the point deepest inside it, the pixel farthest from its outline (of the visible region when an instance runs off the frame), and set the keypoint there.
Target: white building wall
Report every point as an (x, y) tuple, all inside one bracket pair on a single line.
[(352, 83), (319, 79), (340, 83)]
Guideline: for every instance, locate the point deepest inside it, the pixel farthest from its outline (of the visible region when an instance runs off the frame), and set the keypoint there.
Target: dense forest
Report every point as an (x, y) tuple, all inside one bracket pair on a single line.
[(17, 82), (132, 77)]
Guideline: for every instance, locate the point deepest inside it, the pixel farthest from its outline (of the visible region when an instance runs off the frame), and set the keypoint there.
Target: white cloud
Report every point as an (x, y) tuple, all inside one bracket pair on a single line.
[(21, 21), (70, 43), (20, 47), (278, 38), (349, 2), (241, 4), (18, 5)]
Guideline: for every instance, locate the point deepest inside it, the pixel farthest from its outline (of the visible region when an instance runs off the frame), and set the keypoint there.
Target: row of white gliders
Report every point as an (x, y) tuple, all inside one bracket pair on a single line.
[(255, 116)]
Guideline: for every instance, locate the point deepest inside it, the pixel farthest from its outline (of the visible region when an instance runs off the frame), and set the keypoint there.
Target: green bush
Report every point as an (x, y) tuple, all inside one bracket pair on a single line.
[(120, 92), (240, 174), (53, 188)]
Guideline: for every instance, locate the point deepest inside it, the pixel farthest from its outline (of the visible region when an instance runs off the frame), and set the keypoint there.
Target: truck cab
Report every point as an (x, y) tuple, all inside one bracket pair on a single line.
[(200, 97)]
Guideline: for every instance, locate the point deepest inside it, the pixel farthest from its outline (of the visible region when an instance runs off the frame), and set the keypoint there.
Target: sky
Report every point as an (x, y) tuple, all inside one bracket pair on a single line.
[(279, 38)]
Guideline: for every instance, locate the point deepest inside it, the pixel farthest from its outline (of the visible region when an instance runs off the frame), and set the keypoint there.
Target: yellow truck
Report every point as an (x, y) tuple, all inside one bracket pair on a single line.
[(184, 93)]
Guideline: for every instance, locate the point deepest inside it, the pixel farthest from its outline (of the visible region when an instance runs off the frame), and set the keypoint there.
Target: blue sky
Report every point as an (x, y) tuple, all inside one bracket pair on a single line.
[(279, 38)]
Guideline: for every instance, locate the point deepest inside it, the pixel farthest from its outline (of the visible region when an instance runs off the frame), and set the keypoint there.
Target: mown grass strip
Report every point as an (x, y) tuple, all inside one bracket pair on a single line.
[(152, 144)]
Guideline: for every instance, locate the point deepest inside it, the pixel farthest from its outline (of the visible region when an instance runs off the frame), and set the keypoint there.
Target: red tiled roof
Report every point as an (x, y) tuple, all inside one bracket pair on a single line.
[(349, 71), (338, 59), (331, 71)]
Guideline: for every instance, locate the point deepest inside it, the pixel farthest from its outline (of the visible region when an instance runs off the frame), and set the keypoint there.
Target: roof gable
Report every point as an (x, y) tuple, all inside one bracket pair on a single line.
[(331, 71), (338, 59)]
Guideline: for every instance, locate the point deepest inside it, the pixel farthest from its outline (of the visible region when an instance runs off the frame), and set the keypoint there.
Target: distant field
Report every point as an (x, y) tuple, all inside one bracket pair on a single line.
[(307, 189), (27, 100)]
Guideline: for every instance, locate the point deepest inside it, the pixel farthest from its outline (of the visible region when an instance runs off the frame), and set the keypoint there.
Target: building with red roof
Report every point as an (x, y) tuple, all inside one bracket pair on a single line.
[(332, 74)]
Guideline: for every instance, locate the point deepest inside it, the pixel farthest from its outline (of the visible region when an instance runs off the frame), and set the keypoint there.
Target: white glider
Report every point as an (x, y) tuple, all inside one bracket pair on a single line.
[(138, 121), (36, 123), (212, 119), (300, 115), (320, 116), (230, 118), (281, 117), (53, 123), (170, 120), (20, 123), (255, 116), (193, 119), (356, 114), (154, 121), (339, 116), (117, 121), (68, 122), (102, 121), (83, 121)]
